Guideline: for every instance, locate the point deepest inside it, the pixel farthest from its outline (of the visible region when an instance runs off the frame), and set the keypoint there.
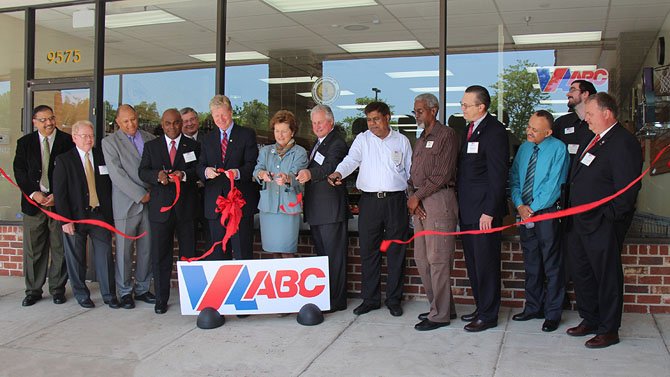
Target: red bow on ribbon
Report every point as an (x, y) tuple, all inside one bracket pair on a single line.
[(177, 188)]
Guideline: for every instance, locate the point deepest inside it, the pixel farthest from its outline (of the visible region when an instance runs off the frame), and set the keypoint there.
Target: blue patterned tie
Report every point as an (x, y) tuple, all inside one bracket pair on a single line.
[(527, 193)]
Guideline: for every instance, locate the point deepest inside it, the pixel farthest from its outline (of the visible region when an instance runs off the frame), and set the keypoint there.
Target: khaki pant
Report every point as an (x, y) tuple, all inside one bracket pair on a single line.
[(42, 253)]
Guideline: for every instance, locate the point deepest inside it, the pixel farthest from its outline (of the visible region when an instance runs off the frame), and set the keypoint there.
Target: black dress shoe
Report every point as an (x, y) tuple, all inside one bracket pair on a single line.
[(602, 340), (86, 303), (549, 325), (470, 317), (365, 308), (334, 309), (30, 300), (113, 303), (479, 325), (423, 316), (524, 316), (581, 330), (395, 309), (127, 302), (147, 297), (59, 298), (427, 325), (161, 307)]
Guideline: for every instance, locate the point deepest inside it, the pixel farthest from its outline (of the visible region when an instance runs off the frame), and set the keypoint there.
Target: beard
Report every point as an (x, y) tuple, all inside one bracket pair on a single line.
[(420, 124)]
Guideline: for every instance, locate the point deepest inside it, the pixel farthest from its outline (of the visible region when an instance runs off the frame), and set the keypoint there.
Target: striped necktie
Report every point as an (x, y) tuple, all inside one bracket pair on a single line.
[(527, 193), (46, 156)]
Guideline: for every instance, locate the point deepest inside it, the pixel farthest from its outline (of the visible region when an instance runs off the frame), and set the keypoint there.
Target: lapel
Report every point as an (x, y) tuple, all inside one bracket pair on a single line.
[(577, 165), (127, 145), (165, 152), (476, 134)]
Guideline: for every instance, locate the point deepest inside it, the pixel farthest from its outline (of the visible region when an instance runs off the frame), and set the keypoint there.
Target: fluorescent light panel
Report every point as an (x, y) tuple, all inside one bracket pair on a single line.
[(571, 67), (588, 36), (289, 80), (351, 107), (148, 17), (381, 46), (230, 56), (342, 93), (415, 74), (435, 89), (553, 102), (287, 6)]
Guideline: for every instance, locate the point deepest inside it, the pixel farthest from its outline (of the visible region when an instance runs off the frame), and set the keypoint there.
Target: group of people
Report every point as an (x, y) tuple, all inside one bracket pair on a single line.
[(442, 182)]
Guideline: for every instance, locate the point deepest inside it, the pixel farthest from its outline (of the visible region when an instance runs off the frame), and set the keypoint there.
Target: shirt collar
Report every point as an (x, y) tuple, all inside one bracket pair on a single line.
[(176, 141), (228, 131), (602, 134)]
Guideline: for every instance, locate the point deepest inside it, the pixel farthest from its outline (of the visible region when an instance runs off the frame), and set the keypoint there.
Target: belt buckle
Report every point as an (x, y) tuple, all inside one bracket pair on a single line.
[(381, 195)]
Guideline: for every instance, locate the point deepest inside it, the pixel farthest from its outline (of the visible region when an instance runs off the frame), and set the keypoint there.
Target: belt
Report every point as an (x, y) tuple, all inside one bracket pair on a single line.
[(92, 209), (382, 194)]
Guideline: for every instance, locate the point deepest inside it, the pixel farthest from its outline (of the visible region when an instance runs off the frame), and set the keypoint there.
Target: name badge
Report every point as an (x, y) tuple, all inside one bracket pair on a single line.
[(572, 148), (429, 144), (473, 147), (103, 170), (569, 130), (396, 157), (190, 156), (319, 158), (588, 159)]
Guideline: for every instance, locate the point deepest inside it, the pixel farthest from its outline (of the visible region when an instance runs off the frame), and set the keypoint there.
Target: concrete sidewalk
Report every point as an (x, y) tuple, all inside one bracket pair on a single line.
[(67, 340)]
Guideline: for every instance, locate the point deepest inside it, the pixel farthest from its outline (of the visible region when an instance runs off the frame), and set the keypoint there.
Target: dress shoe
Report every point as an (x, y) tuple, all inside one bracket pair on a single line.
[(423, 316), (113, 303), (59, 298), (334, 309), (550, 325), (86, 303), (470, 317), (479, 325), (602, 340), (365, 308), (147, 297), (161, 307), (30, 300), (127, 302), (581, 330), (395, 309), (524, 316), (427, 325)]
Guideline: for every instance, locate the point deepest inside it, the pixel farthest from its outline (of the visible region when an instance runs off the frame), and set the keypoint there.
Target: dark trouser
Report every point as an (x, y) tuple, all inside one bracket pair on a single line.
[(240, 245), (598, 275), (162, 246), (75, 257), (43, 254), (331, 240), (482, 260), (543, 259), (382, 219)]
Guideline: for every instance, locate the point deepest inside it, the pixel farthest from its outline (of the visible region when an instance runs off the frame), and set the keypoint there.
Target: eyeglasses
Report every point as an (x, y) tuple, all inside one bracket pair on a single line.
[(466, 106), (85, 136), (572, 90), (43, 120)]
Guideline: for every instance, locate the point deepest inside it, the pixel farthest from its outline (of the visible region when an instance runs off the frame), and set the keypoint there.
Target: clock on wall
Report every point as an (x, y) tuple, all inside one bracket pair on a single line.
[(660, 51)]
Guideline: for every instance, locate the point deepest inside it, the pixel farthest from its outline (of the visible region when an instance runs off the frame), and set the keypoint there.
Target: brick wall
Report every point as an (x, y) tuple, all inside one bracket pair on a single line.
[(646, 271)]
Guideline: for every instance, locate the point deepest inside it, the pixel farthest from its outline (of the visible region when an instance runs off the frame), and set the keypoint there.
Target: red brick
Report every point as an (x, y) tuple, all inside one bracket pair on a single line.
[(659, 309), (661, 290), (650, 261), (631, 308), (16, 245), (630, 279), (636, 289), (664, 249), (659, 270), (650, 280), (648, 299), (4, 258), (631, 249), (629, 260), (4, 272), (629, 299)]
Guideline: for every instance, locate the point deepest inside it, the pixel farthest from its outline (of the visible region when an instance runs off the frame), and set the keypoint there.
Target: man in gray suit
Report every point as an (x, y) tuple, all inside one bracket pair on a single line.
[(123, 150)]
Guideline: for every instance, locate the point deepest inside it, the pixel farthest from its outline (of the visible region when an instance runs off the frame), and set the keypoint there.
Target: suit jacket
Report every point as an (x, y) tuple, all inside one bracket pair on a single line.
[(482, 176), (617, 162), (155, 158), (71, 190), (323, 203), (241, 154), (123, 162), (28, 164)]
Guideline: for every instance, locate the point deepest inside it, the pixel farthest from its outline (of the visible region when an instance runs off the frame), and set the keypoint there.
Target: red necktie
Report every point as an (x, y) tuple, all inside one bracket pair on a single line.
[(472, 125), (224, 146), (591, 144), (173, 152)]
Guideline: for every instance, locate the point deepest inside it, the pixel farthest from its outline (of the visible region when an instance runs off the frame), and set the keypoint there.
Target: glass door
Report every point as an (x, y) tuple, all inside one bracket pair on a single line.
[(69, 98)]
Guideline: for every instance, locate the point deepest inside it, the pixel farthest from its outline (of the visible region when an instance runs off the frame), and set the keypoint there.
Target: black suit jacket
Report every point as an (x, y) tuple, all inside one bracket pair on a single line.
[(28, 164), (241, 154), (617, 162), (155, 158), (482, 176), (325, 204), (71, 190)]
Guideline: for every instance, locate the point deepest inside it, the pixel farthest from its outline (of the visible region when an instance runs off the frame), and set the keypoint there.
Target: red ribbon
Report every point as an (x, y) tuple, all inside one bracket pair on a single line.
[(177, 187), (533, 219), (230, 208), (292, 204), (58, 217)]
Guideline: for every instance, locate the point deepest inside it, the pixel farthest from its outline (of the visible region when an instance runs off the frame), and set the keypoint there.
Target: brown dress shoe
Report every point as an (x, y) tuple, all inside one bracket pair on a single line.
[(602, 340), (479, 325), (581, 330)]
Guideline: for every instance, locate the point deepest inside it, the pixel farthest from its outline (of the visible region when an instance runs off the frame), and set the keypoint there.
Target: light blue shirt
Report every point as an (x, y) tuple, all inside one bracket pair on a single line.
[(226, 133), (550, 172)]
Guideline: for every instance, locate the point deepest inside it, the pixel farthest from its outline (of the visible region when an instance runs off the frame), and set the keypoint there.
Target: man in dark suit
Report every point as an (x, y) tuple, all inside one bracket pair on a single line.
[(482, 177), (191, 129), (231, 147), (164, 159), (84, 191), (326, 208), (42, 236), (603, 166), (571, 128)]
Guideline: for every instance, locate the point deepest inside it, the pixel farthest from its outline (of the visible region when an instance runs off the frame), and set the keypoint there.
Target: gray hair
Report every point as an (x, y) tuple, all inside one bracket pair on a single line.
[(81, 123), (219, 101), (187, 110), (325, 109), (429, 99)]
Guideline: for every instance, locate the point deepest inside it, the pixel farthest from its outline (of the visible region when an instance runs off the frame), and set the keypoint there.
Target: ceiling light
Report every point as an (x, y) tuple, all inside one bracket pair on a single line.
[(286, 6), (452, 104), (351, 107), (435, 89), (230, 56), (415, 74), (148, 17), (571, 67), (381, 46), (290, 80), (342, 93), (553, 102), (588, 36)]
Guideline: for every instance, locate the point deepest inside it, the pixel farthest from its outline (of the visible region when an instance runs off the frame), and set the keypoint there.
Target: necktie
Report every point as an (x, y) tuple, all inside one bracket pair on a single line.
[(90, 181), (527, 193), (46, 155), (173, 152), (311, 156), (224, 146), (137, 142), (470, 128), (591, 144)]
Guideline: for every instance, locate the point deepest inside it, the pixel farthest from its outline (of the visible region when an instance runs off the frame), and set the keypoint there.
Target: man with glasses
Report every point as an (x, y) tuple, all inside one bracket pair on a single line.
[(84, 191), (571, 128), (482, 203), (42, 236), (383, 157)]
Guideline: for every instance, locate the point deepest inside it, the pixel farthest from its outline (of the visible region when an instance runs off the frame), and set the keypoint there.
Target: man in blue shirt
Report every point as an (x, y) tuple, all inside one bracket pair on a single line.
[(539, 169)]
